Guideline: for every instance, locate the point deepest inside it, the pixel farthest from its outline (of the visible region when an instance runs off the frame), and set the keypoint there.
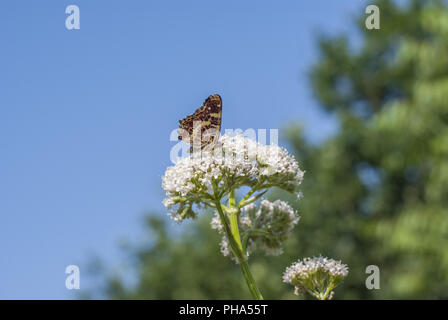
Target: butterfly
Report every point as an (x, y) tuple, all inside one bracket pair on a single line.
[(203, 126)]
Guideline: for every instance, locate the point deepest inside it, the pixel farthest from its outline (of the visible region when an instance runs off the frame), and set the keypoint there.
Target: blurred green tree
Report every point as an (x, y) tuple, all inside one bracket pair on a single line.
[(376, 193)]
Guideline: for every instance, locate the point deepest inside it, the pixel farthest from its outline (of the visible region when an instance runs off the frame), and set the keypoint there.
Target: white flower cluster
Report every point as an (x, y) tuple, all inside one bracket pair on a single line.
[(267, 160), (305, 268), (236, 161), (264, 229), (317, 276)]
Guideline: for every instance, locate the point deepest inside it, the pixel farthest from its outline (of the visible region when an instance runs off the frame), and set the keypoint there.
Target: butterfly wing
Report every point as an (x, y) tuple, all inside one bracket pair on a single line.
[(203, 126)]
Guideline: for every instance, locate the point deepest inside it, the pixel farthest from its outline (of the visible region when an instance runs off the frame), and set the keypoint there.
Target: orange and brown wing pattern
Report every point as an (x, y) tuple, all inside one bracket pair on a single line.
[(203, 126)]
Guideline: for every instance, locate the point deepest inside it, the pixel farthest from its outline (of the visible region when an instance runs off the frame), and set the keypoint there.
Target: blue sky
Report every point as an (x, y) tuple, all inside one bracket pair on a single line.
[(85, 115)]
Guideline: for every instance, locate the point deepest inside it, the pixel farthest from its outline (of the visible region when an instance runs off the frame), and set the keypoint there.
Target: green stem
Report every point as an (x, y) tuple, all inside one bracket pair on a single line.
[(232, 199), (235, 243), (330, 287), (250, 280), (234, 230), (233, 213)]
